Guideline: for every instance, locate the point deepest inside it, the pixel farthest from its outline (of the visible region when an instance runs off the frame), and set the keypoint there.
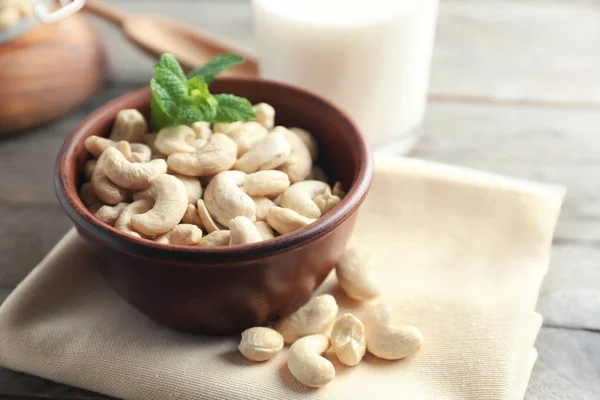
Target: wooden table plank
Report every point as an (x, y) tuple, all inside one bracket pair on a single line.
[(493, 49)]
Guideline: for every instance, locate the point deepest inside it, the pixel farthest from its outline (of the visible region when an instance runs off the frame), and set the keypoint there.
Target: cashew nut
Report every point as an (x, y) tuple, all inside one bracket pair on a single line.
[(175, 139), (326, 201), (130, 175), (140, 152), (348, 340), (260, 344), (263, 205), (89, 168), (299, 164), (225, 200), (129, 125), (104, 188), (353, 272), (338, 190), (191, 216), (243, 231), (216, 238), (192, 187), (87, 195), (317, 174), (123, 223), (182, 234), (316, 316), (277, 200), (284, 220), (265, 183), (299, 197), (390, 342), (207, 220), (150, 139), (218, 155), (110, 214), (309, 141), (265, 230), (96, 145), (269, 153), (306, 363), (202, 129), (170, 203), (226, 127), (265, 115), (247, 135)]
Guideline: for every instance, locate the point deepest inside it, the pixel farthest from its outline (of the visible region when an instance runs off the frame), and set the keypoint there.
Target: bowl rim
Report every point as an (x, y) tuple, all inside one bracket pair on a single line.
[(68, 196)]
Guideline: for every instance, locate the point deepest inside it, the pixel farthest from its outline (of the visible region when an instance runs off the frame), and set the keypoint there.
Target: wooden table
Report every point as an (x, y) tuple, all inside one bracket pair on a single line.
[(515, 90)]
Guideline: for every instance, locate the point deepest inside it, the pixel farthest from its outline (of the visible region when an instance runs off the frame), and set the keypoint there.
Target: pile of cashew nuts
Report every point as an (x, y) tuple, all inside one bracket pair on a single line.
[(315, 327), (203, 185)]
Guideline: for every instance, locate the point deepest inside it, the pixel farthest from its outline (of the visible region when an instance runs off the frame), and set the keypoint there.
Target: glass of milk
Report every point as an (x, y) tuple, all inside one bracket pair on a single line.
[(372, 58)]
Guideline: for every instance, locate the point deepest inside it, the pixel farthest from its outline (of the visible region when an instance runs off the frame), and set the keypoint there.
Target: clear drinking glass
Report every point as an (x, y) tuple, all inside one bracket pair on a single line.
[(372, 58)]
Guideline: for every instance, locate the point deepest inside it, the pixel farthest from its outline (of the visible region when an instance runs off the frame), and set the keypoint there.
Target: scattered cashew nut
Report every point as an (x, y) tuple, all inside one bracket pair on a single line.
[(110, 214), (299, 197), (269, 153), (306, 363), (140, 152), (170, 203), (182, 234), (348, 340), (265, 115), (217, 155), (123, 223), (353, 272), (390, 342), (225, 200), (284, 220), (226, 127), (243, 231), (260, 343), (129, 125), (130, 175), (265, 183), (216, 238), (316, 316), (338, 190), (299, 164)]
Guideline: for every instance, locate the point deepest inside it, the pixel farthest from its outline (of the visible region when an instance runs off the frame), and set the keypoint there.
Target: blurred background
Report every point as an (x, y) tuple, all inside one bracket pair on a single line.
[(514, 89)]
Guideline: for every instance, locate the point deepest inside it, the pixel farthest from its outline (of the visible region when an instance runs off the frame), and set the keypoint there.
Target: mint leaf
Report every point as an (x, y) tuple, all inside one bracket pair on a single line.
[(158, 117), (215, 66), (202, 98), (233, 108)]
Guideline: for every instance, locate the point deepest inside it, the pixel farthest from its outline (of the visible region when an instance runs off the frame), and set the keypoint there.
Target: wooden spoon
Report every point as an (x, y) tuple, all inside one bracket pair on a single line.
[(157, 35)]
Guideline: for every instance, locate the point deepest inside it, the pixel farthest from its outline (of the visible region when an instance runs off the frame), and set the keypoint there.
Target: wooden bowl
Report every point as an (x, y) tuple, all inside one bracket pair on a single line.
[(222, 290), (47, 72)]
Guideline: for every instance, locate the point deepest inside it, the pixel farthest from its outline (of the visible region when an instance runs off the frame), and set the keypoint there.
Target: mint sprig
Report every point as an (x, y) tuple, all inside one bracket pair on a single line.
[(215, 66), (177, 100)]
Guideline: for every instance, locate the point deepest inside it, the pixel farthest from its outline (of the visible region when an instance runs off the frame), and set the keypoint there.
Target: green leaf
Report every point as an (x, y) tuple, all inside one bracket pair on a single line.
[(215, 66), (202, 99), (233, 108), (158, 117)]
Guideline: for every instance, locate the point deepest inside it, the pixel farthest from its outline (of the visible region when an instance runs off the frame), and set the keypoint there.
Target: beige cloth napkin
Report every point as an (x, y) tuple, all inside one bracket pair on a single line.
[(460, 254)]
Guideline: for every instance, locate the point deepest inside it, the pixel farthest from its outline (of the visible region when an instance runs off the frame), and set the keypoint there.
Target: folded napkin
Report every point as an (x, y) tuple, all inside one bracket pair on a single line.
[(460, 254)]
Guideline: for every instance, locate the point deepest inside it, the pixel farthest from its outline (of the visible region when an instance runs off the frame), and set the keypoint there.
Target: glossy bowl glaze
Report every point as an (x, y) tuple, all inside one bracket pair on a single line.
[(222, 290)]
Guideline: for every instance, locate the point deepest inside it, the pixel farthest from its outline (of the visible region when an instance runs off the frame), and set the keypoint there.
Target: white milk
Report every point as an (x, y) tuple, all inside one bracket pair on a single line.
[(372, 58)]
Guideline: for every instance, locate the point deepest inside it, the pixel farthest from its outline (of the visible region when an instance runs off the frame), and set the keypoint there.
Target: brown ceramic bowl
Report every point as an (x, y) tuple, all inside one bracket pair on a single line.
[(222, 290)]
